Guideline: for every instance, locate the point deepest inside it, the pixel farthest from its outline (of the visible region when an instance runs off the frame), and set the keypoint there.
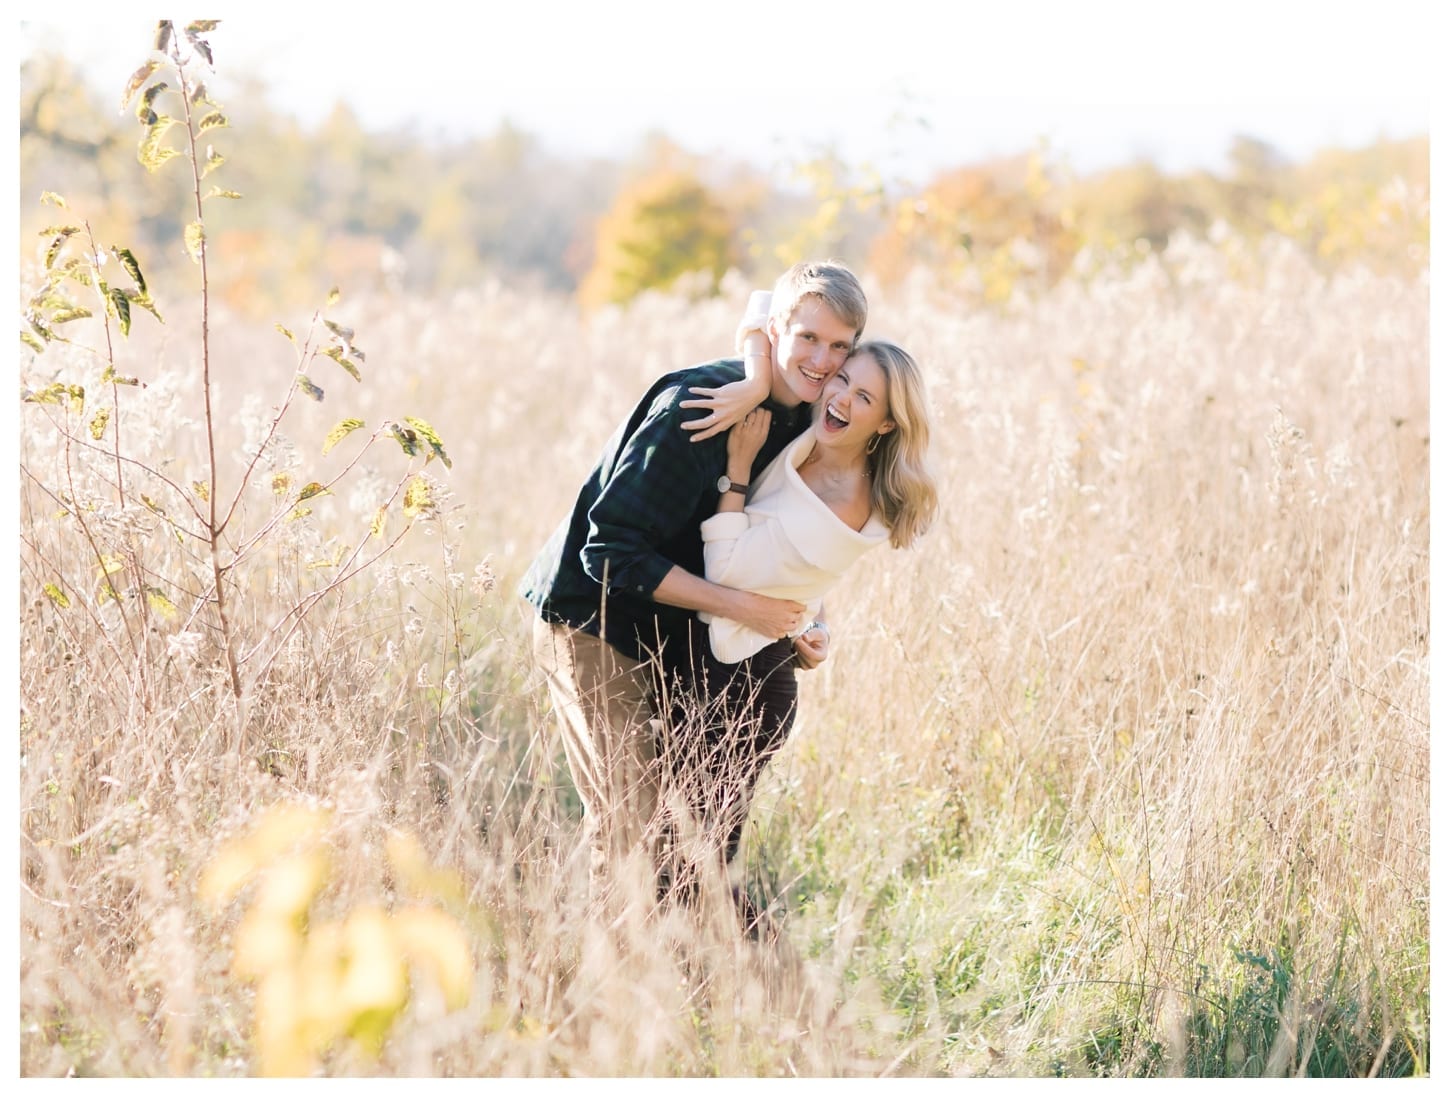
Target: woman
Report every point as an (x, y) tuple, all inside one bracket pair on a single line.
[(856, 479)]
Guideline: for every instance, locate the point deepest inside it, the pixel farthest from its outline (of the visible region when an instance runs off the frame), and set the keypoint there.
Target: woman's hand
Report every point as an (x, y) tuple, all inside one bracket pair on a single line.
[(744, 443), (812, 646), (727, 404)]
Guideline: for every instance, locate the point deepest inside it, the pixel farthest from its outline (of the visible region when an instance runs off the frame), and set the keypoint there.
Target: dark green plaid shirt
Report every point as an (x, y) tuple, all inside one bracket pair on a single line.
[(639, 513)]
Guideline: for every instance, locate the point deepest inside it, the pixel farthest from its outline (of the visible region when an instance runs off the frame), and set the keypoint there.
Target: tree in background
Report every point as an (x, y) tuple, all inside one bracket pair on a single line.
[(662, 226), (410, 211)]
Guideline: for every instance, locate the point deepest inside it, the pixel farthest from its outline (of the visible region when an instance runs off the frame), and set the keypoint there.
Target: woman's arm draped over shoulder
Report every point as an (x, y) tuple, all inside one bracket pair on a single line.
[(728, 404)]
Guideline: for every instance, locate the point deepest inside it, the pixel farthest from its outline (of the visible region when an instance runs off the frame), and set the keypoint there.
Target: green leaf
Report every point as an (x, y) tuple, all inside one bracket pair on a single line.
[(292, 339), (146, 112), (51, 394), (57, 596), (31, 342), (431, 437), (74, 268), (163, 35), (199, 44), (212, 120), (109, 376), (119, 305), (98, 423), (144, 300), (335, 353), (217, 192), (65, 316), (313, 489), (344, 334), (340, 432), (202, 26), (132, 267), (407, 439), (151, 152), (77, 394), (139, 77), (50, 198), (308, 386), (299, 513), (59, 242), (195, 237)]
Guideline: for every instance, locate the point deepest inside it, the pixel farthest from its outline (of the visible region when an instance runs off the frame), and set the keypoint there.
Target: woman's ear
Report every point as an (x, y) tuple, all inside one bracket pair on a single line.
[(887, 426)]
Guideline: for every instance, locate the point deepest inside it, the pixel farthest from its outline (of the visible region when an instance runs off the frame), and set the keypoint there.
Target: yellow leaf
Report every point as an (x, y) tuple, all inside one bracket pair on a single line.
[(160, 603), (195, 238), (201, 489), (380, 520), (435, 943), (340, 432), (375, 985), (416, 497), (57, 596), (281, 483), (290, 883), (110, 565), (265, 942), (227, 873)]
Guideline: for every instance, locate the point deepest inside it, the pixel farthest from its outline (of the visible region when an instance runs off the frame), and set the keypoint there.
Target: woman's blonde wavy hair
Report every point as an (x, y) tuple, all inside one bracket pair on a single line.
[(903, 490)]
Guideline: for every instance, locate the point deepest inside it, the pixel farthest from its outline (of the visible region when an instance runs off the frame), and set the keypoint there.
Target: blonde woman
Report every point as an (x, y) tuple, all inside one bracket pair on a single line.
[(856, 479)]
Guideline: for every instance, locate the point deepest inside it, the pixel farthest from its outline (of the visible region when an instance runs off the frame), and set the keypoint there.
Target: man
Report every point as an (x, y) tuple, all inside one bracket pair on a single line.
[(620, 580)]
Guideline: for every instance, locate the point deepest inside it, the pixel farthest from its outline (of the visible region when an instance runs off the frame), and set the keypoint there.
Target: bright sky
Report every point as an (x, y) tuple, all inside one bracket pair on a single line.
[(770, 80)]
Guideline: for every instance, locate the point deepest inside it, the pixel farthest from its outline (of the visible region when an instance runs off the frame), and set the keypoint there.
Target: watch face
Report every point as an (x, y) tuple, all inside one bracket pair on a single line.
[(723, 484)]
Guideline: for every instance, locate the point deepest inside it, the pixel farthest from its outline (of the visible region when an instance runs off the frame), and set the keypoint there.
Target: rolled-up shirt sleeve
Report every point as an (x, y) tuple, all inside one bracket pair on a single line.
[(649, 494)]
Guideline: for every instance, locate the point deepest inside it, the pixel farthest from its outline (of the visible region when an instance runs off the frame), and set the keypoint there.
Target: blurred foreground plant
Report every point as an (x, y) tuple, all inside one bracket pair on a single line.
[(324, 981)]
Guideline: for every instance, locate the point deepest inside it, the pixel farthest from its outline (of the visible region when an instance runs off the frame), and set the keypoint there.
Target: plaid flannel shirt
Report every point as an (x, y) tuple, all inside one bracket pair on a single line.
[(639, 513)]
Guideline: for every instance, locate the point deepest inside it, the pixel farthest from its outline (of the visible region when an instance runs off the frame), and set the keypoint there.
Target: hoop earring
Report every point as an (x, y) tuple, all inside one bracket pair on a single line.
[(874, 443)]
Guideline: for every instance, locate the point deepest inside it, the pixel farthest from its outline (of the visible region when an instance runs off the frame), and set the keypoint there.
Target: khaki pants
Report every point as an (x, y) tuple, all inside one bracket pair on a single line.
[(605, 706)]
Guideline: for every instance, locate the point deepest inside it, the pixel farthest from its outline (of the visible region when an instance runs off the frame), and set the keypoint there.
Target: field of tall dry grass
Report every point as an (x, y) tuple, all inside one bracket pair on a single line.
[(1123, 771)]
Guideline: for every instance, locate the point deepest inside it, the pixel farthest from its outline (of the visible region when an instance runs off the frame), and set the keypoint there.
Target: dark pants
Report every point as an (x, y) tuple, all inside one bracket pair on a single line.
[(727, 721)]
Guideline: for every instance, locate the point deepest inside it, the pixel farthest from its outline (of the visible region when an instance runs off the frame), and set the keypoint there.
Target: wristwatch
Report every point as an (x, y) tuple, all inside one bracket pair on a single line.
[(725, 484)]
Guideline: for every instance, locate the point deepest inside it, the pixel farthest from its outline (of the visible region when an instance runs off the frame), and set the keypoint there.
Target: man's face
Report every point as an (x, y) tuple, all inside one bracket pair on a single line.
[(809, 349)]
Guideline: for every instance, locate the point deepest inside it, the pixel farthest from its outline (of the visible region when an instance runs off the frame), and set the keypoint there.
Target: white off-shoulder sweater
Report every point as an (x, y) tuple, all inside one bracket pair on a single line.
[(787, 543)]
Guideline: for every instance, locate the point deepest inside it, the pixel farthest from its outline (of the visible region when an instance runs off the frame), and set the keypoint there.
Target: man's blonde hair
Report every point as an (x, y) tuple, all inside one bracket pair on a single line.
[(828, 280)]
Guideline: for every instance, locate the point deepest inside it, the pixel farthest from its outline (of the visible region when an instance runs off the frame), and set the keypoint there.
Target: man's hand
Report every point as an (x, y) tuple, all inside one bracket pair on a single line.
[(812, 647), (770, 617)]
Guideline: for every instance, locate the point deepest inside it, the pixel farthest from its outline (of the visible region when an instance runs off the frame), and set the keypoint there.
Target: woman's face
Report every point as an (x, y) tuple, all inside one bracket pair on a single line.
[(853, 404)]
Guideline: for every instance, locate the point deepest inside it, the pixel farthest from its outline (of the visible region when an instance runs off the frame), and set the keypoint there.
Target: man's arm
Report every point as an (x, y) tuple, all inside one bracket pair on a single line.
[(767, 616), (657, 480)]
